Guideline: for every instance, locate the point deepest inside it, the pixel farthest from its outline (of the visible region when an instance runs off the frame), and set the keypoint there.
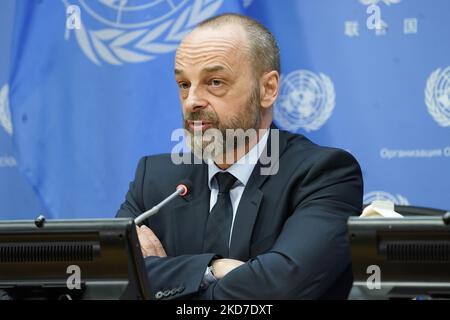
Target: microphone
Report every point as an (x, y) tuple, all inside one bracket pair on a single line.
[(446, 218), (182, 189)]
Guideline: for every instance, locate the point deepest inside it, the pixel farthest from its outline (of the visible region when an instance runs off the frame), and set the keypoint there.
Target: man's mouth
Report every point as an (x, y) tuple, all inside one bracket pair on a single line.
[(199, 125)]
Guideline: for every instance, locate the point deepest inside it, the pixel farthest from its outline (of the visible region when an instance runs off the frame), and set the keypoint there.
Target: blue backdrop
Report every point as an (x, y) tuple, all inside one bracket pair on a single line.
[(87, 88)]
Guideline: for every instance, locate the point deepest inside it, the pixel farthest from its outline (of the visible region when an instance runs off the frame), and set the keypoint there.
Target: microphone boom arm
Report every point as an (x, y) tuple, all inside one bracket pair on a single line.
[(156, 208)]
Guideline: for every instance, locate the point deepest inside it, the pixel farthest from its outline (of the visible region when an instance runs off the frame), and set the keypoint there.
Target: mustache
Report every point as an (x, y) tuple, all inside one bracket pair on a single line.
[(200, 116)]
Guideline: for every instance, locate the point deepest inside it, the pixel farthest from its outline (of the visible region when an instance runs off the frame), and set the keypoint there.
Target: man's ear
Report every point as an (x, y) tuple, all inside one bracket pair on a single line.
[(270, 86)]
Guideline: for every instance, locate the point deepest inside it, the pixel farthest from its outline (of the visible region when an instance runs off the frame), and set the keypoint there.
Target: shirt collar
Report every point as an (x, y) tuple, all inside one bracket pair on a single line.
[(243, 168)]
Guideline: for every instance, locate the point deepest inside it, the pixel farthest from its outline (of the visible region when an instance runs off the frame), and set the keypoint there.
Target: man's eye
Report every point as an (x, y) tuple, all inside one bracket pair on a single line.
[(183, 85), (216, 83)]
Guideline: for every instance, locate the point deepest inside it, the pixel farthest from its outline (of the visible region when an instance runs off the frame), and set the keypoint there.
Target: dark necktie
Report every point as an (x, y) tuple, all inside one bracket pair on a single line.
[(218, 227)]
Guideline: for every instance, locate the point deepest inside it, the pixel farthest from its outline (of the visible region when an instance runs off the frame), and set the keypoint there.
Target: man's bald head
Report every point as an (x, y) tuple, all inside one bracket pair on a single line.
[(264, 53)]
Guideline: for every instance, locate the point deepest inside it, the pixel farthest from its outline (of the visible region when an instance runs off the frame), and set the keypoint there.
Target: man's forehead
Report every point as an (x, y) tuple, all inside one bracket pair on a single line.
[(226, 34), (212, 44)]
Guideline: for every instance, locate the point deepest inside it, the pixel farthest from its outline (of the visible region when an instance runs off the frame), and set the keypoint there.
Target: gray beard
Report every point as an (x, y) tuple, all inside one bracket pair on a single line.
[(213, 143)]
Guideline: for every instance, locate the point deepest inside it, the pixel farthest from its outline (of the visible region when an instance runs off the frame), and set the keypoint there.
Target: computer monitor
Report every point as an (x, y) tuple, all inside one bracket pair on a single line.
[(409, 257), (71, 259)]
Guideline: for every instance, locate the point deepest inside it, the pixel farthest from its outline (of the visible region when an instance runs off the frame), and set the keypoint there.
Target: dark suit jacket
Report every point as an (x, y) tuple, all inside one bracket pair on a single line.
[(290, 228)]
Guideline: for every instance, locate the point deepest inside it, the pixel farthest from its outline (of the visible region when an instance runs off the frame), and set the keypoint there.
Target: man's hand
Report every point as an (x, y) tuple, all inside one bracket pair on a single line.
[(221, 267), (150, 244)]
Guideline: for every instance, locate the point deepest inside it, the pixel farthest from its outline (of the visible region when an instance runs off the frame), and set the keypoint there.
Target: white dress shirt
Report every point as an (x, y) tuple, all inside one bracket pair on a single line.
[(242, 170)]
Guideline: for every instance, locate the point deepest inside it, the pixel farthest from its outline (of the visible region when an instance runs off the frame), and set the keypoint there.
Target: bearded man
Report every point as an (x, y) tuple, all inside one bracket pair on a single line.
[(245, 230)]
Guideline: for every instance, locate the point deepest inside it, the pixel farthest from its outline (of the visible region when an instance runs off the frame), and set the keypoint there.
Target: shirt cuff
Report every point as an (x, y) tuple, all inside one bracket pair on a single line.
[(208, 278)]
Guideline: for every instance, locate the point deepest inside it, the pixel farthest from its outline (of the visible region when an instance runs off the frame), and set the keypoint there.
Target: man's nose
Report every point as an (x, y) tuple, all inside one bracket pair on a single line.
[(195, 100)]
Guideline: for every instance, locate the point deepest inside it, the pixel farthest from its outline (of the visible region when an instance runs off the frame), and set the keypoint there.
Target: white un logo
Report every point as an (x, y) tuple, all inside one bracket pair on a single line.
[(384, 196), (306, 101), (5, 114), (134, 31), (437, 96)]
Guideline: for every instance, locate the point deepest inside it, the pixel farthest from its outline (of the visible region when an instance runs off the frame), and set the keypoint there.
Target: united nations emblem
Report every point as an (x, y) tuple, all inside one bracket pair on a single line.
[(247, 3), (387, 2), (133, 31), (306, 101), (5, 114), (437, 96), (384, 196)]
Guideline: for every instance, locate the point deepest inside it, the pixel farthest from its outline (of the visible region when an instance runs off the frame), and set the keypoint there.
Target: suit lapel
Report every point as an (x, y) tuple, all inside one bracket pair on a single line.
[(250, 202), (244, 222)]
